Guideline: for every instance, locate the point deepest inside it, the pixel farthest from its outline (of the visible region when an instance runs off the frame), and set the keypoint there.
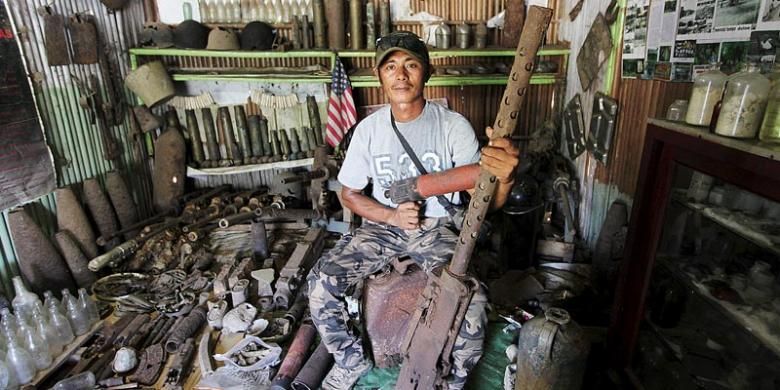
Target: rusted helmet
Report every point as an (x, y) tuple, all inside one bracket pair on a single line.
[(157, 35), (190, 34), (222, 39), (257, 36), (151, 83), (114, 4)]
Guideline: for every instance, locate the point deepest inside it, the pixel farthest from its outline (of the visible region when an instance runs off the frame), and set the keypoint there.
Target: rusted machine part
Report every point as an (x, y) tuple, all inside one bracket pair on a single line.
[(313, 372), (253, 122), (387, 300), (385, 22), (259, 241), (169, 323), (180, 367), (149, 365), (186, 328), (234, 152), (370, 26), (76, 260), (170, 169), (295, 145), (294, 272), (131, 329), (284, 142), (276, 150), (265, 140), (39, 262), (122, 202), (197, 145), (422, 187), (136, 339), (439, 313), (101, 210), (298, 308), (243, 135), (355, 24), (319, 25), (72, 218), (334, 13), (314, 118), (55, 38), (211, 135), (514, 19), (296, 356), (83, 38), (305, 32)]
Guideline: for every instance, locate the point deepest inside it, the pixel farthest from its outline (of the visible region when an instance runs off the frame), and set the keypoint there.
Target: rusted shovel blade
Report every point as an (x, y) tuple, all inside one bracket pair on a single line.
[(54, 37), (83, 39)]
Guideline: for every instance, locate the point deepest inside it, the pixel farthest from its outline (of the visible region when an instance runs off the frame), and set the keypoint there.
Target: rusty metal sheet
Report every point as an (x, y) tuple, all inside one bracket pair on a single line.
[(83, 40), (594, 52), (55, 38)]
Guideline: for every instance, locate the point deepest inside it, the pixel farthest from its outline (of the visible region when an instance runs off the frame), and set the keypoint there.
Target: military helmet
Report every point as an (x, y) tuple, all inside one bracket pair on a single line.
[(222, 39), (114, 4), (524, 196), (157, 35), (257, 36), (190, 34)]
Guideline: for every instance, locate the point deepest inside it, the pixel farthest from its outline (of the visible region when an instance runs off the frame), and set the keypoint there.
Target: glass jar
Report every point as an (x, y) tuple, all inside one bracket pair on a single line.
[(707, 90), (743, 104), (770, 127), (677, 110)]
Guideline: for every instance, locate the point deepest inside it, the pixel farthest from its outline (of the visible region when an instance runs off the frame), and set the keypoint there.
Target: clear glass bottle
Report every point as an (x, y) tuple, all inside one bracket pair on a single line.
[(258, 10), (24, 299), (8, 323), (205, 11), (7, 376), (85, 380), (35, 343), (214, 11), (50, 300), (89, 306), (61, 324), (235, 9), (278, 13), (246, 11), (770, 127), (19, 360), (186, 10), (706, 92), (677, 110), (221, 11), (46, 331), (78, 319), (743, 104)]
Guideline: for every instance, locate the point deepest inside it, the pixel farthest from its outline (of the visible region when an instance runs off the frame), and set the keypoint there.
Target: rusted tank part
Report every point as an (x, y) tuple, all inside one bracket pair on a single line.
[(385, 23), (356, 24), (55, 38), (314, 118), (313, 372), (83, 39), (122, 202), (389, 299), (243, 134), (149, 365), (169, 169), (320, 41), (211, 135), (75, 259), (552, 352), (185, 328), (101, 210), (72, 218), (195, 140), (334, 12), (296, 356), (514, 19), (39, 263)]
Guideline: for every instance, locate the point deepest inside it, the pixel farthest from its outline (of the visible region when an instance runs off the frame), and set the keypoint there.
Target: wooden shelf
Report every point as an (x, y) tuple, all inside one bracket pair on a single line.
[(249, 168), (751, 146)]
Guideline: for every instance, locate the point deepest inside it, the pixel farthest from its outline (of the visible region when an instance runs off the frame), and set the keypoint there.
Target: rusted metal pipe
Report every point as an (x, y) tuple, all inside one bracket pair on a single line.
[(185, 329), (296, 356), (313, 372)]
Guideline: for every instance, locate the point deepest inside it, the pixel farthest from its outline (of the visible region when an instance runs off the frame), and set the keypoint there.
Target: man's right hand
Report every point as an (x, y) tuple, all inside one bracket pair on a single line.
[(406, 216)]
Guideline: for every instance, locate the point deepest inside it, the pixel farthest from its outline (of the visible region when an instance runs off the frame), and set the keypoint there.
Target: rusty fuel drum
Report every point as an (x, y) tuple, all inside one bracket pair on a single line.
[(195, 141), (72, 218), (319, 25), (211, 135), (334, 10), (122, 202), (75, 259), (101, 210), (314, 118), (296, 356), (243, 136)]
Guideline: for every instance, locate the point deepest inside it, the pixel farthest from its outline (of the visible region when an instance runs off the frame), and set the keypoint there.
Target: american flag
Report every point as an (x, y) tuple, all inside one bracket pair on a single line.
[(342, 114)]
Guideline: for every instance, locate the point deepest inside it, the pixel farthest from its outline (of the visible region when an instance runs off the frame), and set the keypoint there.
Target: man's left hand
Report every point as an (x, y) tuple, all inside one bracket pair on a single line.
[(500, 158)]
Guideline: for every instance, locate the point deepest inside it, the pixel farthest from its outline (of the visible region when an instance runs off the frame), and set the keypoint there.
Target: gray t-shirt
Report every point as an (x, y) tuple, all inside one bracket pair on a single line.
[(441, 139)]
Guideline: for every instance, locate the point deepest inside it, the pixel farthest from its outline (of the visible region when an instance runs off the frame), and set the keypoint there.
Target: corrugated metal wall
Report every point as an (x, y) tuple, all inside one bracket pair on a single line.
[(73, 139)]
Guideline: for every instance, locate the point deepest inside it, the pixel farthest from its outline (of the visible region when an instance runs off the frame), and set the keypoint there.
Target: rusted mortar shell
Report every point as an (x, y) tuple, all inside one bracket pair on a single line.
[(314, 118), (211, 134), (72, 218), (101, 211), (265, 138), (197, 145), (243, 134), (123, 202), (75, 259), (253, 122), (170, 169), (334, 13)]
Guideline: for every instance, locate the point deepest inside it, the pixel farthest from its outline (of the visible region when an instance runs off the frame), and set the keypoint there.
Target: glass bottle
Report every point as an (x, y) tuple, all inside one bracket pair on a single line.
[(186, 10), (770, 127), (706, 92), (35, 343), (221, 11), (85, 380), (78, 319), (61, 324), (8, 323), (235, 9), (246, 11), (50, 300), (214, 12), (47, 332), (205, 11), (258, 10), (19, 360), (743, 104), (24, 299), (286, 6), (7, 376), (89, 306)]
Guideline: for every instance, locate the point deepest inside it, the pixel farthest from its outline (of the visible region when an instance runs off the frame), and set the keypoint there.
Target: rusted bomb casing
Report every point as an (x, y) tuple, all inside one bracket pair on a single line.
[(385, 24), (305, 32), (185, 329), (39, 262), (212, 146), (197, 145), (170, 169), (243, 135), (276, 149), (356, 24), (122, 202), (234, 152), (514, 19), (265, 139), (101, 211), (313, 372), (295, 146), (314, 118), (370, 26), (296, 356), (284, 143), (253, 122), (75, 259), (303, 140), (320, 41), (312, 140), (334, 12), (72, 218)]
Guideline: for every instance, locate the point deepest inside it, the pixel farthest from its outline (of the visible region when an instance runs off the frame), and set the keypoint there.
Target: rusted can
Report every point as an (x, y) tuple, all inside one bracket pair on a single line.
[(480, 36), (320, 41), (334, 10), (355, 24), (443, 36), (462, 35), (72, 218)]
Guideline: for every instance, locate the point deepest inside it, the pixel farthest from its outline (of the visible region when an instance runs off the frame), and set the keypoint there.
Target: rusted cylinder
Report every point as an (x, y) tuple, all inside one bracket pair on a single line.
[(170, 169), (122, 202), (39, 262), (355, 24), (314, 118), (254, 135), (463, 35), (243, 136), (284, 143), (334, 11), (234, 152), (295, 145), (311, 139), (211, 135), (75, 259), (101, 211), (185, 329), (305, 32), (385, 22), (265, 139), (319, 24), (72, 218), (370, 26), (295, 33), (195, 141), (296, 356), (514, 19), (313, 372), (275, 148), (304, 140)]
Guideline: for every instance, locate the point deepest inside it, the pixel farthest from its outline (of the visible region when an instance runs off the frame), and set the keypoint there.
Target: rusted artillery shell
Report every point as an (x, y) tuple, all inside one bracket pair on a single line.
[(513, 24), (185, 328), (370, 26), (313, 372), (296, 356), (234, 152), (384, 18), (243, 135), (101, 211), (197, 145), (40, 264), (275, 146), (265, 138), (314, 118), (75, 259), (319, 24), (311, 138), (356, 24), (303, 139), (169, 169), (334, 12), (253, 122), (211, 134), (72, 218), (122, 201)]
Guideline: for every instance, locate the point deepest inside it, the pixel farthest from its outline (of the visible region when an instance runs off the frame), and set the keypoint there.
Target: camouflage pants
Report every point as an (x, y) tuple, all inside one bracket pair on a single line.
[(372, 247)]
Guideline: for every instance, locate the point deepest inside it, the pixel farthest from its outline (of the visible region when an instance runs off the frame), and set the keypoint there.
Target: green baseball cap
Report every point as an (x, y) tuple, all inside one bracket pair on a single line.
[(405, 41)]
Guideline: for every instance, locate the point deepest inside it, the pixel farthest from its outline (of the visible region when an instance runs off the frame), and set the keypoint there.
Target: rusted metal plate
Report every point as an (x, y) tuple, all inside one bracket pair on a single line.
[(83, 39), (55, 39), (594, 52)]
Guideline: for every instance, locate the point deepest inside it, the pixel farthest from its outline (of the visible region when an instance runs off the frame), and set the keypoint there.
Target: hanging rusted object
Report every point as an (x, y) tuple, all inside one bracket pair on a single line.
[(552, 352), (122, 201), (83, 39), (170, 169), (72, 218), (101, 211), (55, 38), (514, 18), (114, 4), (39, 262), (334, 11), (75, 259)]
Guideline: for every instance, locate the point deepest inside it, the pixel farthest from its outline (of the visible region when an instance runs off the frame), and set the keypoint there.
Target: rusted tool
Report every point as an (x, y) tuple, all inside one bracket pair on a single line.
[(243, 135), (298, 265), (296, 356), (195, 141), (211, 137), (90, 101), (442, 306)]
